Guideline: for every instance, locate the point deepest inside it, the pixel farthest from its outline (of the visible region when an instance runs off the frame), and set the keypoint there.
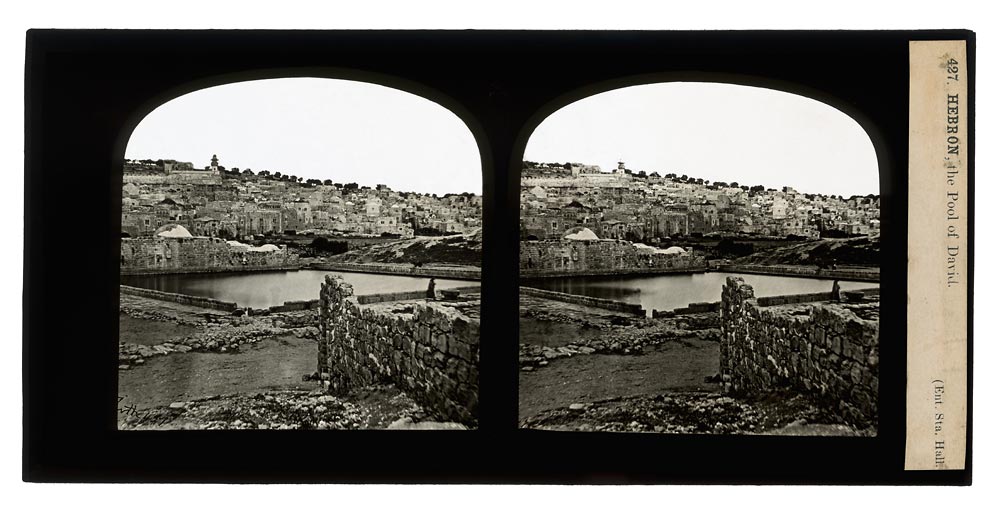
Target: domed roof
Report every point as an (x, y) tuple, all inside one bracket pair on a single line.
[(644, 249), (172, 230), (674, 250), (580, 234)]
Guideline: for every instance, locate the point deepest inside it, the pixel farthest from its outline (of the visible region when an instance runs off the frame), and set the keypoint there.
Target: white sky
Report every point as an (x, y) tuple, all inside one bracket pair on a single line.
[(343, 130), (719, 132)]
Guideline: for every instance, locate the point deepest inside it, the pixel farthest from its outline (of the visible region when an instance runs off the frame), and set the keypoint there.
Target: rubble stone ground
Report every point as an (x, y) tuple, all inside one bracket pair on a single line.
[(364, 408), (697, 413)]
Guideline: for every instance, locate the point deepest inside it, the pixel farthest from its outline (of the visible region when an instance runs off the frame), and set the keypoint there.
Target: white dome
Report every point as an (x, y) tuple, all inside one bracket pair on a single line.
[(173, 230), (643, 248), (580, 234), (674, 250)]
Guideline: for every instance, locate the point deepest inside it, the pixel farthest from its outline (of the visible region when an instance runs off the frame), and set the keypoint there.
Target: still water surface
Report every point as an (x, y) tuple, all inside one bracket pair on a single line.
[(265, 289), (666, 292)]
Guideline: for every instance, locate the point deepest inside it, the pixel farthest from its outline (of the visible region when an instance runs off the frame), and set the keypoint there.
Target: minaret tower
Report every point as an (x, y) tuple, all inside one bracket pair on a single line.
[(215, 163)]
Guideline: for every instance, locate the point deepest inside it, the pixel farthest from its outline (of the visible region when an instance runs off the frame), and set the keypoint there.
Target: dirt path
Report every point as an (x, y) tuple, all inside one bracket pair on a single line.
[(680, 365), (150, 332), (272, 363)]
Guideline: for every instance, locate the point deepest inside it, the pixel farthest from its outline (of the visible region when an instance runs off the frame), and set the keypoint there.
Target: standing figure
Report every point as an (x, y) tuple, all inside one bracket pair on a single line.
[(430, 290), (836, 291)]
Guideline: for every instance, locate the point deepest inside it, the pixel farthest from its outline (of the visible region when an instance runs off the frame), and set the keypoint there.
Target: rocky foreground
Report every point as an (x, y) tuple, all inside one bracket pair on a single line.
[(366, 408), (698, 413)]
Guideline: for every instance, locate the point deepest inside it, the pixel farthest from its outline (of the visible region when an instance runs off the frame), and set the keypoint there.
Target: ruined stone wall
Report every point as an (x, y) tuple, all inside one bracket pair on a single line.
[(597, 257), (429, 349), (197, 254), (412, 295), (184, 299), (823, 349), (862, 275), (401, 269), (612, 305)]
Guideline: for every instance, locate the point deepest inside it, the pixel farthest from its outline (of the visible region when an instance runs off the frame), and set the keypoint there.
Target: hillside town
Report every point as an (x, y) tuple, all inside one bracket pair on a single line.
[(292, 284), (666, 303), (650, 207), (239, 204)]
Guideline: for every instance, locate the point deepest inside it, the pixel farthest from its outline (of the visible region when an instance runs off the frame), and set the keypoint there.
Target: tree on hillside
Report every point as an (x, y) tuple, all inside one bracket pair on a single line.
[(327, 182)]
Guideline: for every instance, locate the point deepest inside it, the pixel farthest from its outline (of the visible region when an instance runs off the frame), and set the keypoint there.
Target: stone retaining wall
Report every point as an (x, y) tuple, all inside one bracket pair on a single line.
[(248, 268), (298, 305), (823, 349), (612, 305), (536, 273), (862, 275), (410, 295), (567, 257), (692, 308), (766, 301), (145, 255), (401, 269), (429, 349), (197, 301), (771, 301)]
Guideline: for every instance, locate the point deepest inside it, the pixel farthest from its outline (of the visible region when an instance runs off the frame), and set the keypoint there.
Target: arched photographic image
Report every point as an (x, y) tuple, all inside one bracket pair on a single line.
[(300, 253), (699, 258)]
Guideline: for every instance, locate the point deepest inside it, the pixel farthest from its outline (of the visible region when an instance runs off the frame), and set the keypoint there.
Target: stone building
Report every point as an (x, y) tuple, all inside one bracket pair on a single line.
[(577, 254), (172, 249)]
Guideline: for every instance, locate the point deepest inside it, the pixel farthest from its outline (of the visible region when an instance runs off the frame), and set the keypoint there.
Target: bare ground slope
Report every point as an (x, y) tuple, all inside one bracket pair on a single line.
[(461, 249), (858, 251)]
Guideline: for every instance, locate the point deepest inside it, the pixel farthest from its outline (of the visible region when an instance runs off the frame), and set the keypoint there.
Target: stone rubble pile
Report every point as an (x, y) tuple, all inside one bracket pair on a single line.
[(692, 413), (631, 340), (375, 407), (223, 336)]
